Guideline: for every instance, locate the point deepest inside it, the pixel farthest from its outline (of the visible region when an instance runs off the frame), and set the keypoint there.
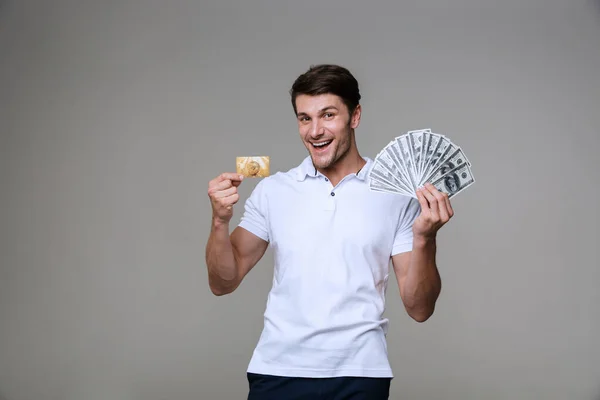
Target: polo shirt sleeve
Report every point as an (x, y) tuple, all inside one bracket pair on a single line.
[(404, 236), (254, 218)]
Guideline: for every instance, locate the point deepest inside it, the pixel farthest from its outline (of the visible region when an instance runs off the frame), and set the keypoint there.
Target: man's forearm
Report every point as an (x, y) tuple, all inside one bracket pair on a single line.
[(422, 285), (220, 259)]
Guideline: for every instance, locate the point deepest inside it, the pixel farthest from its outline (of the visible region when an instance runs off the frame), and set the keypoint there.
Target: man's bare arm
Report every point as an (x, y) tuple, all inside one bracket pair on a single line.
[(416, 271), (229, 258), (418, 279)]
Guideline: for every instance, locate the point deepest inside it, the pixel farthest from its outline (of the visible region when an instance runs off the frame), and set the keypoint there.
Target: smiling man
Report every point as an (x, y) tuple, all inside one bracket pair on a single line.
[(324, 333)]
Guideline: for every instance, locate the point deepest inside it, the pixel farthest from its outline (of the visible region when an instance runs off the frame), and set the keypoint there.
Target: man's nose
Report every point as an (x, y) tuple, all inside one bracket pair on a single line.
[(316, 129)]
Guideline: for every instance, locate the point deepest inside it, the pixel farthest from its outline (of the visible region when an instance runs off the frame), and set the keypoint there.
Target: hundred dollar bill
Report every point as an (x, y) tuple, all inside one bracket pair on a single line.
[(378, 186), (444, 147), (379, 173), (431, 145), (426, 134), (426, 140), (416, 139), (393, 152), (407, 158), (253, 167), (454, 160), (455, 181), (386, 160)]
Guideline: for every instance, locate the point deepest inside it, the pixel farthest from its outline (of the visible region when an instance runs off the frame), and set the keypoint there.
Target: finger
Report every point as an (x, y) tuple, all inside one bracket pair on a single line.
[(432, 188), (221, 182), (222, 185), (232, 176), (422, 201), (442, 206), (229, 201), (448, 205), (443, 211), (443, 199), (225, 193), (433, 204)]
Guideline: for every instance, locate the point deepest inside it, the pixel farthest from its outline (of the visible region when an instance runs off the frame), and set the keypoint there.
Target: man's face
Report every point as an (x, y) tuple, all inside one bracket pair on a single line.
[(325, 127)]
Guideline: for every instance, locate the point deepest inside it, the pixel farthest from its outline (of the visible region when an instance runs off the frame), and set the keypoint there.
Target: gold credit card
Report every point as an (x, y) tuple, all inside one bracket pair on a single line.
[(253, 167)]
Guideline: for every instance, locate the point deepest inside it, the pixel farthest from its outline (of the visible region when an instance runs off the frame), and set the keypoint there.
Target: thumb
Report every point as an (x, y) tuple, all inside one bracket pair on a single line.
[(237, 182)]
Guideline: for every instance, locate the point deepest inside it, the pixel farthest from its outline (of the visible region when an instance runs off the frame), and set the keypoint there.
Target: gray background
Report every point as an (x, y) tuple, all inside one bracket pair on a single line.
[(115, 115)]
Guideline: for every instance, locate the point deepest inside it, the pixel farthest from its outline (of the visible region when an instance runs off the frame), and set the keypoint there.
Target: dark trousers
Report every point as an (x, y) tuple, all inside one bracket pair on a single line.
[(268, 387)]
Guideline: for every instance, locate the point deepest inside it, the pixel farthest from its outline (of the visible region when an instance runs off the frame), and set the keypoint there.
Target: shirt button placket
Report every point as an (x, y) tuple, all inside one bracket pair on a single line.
[(329, 203)]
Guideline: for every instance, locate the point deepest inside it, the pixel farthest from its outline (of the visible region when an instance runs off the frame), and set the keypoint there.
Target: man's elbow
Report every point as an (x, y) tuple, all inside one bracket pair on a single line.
[(420, 309), (420, 313), (220, 290), (421, 316)]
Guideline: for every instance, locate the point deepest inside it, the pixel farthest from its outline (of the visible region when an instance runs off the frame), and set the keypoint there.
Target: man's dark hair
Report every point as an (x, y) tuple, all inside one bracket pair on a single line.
[(327, 79)]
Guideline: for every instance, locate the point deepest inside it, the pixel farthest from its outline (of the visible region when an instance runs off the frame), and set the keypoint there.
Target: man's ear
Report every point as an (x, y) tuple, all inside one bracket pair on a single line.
[(355, 119)]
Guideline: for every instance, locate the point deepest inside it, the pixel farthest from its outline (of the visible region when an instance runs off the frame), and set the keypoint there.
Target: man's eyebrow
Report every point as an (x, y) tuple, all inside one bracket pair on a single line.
[(327, 108), (321, 110)]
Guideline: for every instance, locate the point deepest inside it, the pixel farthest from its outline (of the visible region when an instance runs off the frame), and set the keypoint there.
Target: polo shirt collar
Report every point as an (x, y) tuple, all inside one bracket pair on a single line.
[(307, 169)]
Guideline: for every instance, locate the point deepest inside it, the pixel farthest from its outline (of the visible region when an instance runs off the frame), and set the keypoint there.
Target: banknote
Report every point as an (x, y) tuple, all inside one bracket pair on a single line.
[(431, 145), (379, 186), (455, 181), (393, 152), (454, 160), (380, 174), (444, 147), (407, 154), (416, 139), (389, 165), (419, 156)]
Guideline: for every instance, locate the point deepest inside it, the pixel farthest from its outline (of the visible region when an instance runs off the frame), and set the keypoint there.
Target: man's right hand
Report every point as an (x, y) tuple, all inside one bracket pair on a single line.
[(223, 194)]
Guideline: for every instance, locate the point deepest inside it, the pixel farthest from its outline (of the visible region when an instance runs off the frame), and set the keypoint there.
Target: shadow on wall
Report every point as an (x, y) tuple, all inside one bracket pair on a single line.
[(594, 3)]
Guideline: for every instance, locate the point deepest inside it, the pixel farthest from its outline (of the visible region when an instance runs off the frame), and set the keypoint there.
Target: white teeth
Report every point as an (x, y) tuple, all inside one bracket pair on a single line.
[(321, 144)]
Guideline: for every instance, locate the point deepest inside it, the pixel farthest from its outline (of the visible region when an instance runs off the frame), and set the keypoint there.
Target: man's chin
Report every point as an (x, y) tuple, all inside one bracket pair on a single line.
[(320, 162), (323, 160)]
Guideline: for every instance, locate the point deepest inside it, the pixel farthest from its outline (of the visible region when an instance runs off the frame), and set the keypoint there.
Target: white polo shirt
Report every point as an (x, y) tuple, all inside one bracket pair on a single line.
[(332, 249)]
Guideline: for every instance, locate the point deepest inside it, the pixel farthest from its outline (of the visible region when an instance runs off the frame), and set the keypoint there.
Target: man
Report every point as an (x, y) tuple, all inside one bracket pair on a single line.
[(333, 238)]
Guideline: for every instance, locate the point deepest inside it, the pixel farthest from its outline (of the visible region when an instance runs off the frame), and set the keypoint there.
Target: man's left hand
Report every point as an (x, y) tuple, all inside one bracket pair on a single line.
[(436, 210)]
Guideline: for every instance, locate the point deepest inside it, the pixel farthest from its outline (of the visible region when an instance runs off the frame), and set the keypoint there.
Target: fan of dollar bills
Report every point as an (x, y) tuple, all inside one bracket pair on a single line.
[(417, 157)]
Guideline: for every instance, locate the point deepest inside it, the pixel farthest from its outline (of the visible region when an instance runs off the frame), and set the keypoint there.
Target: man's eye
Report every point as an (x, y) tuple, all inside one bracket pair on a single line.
[(328, 115)]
